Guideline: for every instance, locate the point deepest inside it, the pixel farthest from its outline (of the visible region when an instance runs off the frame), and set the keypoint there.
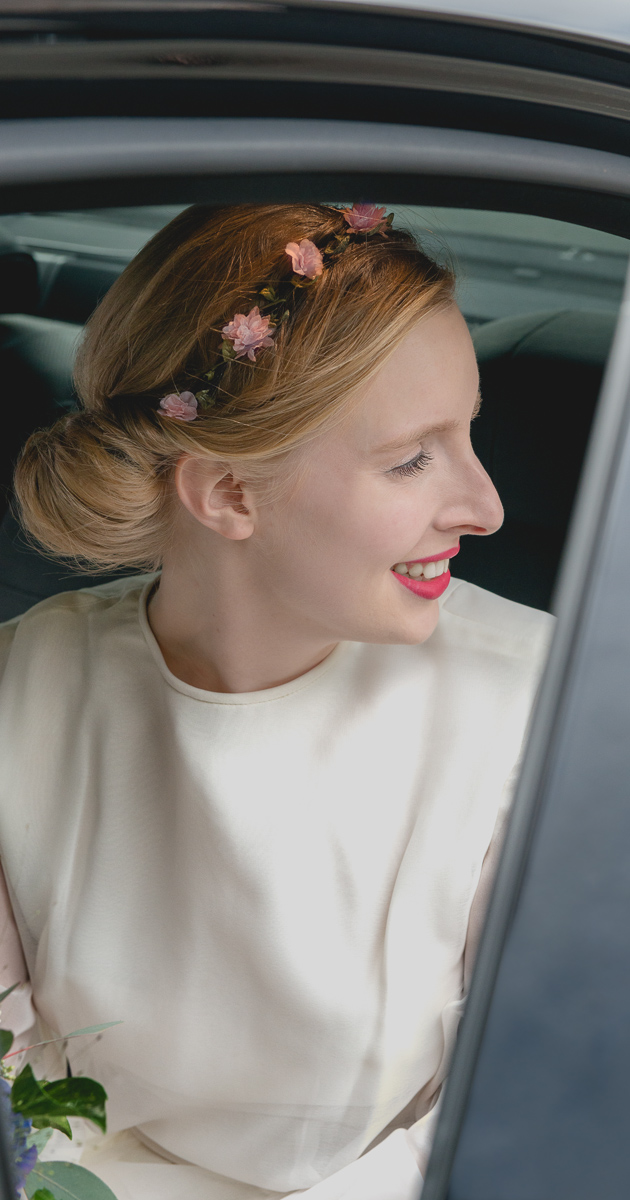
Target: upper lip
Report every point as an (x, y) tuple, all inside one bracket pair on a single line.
[(433, 557)]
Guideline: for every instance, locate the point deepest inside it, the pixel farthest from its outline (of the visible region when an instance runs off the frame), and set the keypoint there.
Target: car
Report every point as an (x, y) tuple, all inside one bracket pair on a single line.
[(502, 138)]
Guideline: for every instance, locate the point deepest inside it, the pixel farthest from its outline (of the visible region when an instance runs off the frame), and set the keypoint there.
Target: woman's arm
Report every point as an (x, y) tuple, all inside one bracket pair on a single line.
[(395, 1168), (16, 1012)]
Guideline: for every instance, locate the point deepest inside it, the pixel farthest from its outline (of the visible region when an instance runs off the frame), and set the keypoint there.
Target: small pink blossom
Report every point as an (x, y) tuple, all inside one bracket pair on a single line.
[(305, 257), (248, 333), (364, 218), (182, 406)]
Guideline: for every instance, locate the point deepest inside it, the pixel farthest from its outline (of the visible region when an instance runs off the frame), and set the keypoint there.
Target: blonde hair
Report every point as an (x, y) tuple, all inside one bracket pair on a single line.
[(97, 487)]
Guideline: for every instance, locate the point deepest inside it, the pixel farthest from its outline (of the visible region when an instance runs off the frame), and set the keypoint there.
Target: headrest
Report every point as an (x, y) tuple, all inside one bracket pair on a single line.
[(540, 379), (36, 363), (19, 280), (580, 337)]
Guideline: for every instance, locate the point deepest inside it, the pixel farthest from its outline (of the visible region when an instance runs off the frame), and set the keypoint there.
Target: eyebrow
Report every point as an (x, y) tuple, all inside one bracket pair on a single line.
[(414, 439)]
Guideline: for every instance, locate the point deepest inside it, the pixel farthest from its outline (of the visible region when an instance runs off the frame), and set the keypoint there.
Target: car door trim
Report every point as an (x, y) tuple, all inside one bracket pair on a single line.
[(87, 148), (310, 63)]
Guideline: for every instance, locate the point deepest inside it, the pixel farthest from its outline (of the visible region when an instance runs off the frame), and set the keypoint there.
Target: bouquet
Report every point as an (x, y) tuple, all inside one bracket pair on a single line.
[(32, 1108)]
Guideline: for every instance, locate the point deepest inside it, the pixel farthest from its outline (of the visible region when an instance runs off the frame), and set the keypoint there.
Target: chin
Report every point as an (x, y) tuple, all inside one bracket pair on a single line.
[(407, 632)]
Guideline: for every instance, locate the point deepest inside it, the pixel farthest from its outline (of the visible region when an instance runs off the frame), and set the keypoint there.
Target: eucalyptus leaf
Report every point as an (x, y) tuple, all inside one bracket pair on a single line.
[(88, 1029), (6, 1041), (47, 1103), (40, 1137), (43, 1194), (7, 992), (66, 1181)]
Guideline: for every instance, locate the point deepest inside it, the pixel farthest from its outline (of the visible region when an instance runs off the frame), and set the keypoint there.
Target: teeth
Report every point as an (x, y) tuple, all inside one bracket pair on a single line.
[(419, 570)]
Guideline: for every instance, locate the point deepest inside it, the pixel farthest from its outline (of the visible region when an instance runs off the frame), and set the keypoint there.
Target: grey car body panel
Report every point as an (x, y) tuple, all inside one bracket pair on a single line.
[(213, 59), (38, 151)]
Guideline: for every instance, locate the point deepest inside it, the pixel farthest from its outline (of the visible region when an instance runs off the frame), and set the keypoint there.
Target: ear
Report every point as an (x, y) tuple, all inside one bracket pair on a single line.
[(215, 497)]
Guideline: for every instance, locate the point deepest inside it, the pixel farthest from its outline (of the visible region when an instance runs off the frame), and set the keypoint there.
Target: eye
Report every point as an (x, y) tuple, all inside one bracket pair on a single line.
[(414, 465)]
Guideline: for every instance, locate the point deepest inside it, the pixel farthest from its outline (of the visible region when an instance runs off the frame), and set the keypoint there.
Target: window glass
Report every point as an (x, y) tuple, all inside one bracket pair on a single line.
[(507, 263)]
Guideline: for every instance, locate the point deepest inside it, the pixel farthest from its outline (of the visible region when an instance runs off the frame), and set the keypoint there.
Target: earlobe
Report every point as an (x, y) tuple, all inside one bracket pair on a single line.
[(214, 497)]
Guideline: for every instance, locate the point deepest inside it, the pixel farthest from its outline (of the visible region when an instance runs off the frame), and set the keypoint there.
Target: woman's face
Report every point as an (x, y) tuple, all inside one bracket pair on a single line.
[(397, 483)]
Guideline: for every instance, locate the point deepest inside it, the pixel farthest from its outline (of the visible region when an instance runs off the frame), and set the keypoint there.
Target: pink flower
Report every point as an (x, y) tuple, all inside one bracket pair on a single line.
[(305, 257), (182, 406), (248, 333), (364, 218)]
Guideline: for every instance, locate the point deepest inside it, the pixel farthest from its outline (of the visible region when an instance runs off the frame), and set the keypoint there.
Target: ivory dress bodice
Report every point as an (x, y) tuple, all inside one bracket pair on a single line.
[(270, 890)]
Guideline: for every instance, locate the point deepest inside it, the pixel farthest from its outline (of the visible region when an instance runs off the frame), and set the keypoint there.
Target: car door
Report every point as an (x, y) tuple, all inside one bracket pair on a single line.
[(128, 105)]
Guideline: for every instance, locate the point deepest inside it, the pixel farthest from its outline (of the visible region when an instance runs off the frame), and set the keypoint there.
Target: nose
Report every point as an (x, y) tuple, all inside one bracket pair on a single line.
[(473, 505)]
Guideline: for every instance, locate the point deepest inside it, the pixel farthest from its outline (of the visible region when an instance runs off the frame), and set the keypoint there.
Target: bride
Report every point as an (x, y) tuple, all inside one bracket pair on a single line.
[(252, 798)]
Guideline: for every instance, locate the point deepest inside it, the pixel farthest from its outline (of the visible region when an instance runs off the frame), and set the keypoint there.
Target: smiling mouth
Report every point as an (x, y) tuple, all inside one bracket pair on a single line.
[(426, 568)]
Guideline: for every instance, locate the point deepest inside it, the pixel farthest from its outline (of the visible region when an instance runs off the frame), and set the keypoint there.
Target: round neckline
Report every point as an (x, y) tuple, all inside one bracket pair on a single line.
[(262, 696)]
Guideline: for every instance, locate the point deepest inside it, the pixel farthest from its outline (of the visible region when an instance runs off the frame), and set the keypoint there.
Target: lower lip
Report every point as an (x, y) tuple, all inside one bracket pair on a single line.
[(429, 589)]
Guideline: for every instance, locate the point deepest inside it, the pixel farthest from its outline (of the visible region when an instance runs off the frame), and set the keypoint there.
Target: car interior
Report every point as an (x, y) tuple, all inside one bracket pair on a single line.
[(541, 298)]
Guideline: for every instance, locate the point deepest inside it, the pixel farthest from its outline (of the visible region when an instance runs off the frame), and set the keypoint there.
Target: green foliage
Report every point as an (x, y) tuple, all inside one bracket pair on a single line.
[(6, 1041), (65, 1181), (39, 1138), (50, 1104), (7, 992)]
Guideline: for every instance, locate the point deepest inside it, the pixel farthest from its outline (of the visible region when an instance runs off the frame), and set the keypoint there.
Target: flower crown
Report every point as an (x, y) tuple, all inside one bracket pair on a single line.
[(247, 333)]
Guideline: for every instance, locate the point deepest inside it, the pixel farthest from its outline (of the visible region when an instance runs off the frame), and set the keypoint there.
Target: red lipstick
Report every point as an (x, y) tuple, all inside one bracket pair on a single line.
[(428, 589)]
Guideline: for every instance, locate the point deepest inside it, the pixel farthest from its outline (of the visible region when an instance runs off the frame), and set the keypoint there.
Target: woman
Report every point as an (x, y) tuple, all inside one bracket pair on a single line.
[(253, 801)]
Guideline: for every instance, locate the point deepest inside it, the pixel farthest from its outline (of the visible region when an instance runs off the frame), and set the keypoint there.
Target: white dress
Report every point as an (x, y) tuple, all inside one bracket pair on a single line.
[(271, 890)]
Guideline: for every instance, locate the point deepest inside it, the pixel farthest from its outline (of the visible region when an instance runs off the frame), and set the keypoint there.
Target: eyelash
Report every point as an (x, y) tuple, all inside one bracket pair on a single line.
[(414, 465)]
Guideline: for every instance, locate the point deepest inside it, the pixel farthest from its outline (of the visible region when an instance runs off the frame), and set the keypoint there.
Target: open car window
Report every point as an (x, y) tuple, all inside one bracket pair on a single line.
[(505, 149)]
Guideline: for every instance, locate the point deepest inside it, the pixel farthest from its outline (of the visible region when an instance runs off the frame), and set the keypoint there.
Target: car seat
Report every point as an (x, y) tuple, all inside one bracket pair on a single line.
[(36, 360), (540, 379)]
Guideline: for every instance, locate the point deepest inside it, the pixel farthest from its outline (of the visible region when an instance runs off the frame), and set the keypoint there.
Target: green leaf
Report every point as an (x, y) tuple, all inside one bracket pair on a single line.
[(63, 1037), (227, 350), (43, 1194), (3, 995), (66, 1181), (40, 1138), (47, 1102), (6, 1041), (48, 1122), (88, 1029)]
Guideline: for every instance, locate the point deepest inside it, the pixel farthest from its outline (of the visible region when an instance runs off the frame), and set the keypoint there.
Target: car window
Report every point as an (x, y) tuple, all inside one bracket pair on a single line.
[(507, 263)]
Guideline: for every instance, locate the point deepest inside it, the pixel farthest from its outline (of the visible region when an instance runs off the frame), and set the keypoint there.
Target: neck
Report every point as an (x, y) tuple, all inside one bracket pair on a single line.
[(221, 630)]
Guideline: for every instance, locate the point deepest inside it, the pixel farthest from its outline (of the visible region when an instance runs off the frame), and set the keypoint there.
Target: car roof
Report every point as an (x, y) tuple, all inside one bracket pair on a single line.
[(607, 21)]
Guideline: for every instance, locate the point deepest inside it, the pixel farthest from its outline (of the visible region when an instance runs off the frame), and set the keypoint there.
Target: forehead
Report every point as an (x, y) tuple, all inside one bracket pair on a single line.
[(430, 380)]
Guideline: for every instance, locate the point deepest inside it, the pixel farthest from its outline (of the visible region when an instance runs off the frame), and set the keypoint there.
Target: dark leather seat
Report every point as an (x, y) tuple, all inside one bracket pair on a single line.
[(540, 379), (36, 359)]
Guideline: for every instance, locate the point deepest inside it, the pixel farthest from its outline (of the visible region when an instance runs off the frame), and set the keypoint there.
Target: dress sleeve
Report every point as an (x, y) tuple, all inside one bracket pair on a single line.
[(16, 1012), (395, 1168), (421, 1134)]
